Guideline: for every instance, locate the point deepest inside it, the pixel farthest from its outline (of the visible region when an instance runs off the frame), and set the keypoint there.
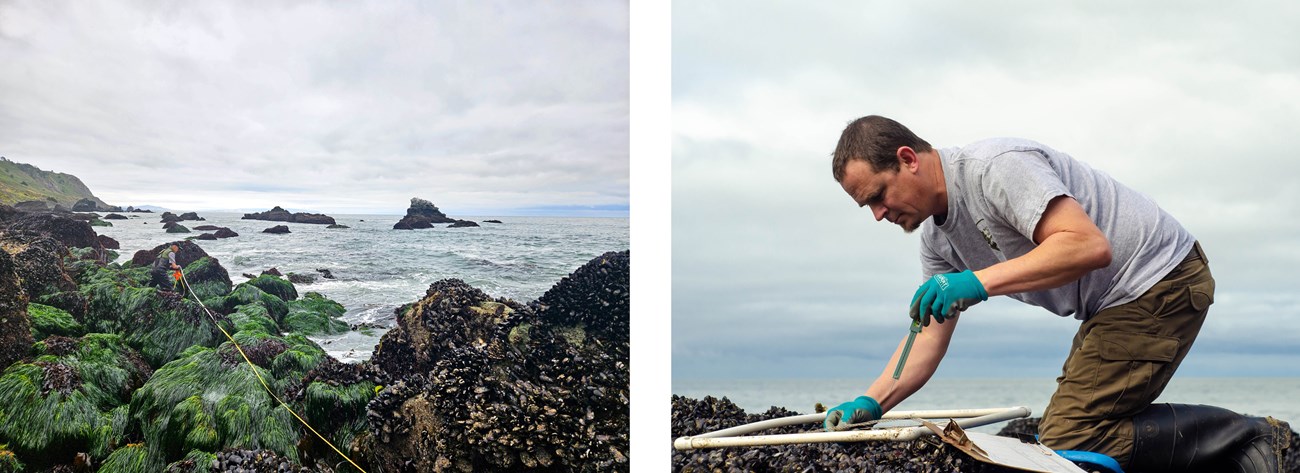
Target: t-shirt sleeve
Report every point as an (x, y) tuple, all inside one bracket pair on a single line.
[(932, 261), (1017, 186), (171, 257)]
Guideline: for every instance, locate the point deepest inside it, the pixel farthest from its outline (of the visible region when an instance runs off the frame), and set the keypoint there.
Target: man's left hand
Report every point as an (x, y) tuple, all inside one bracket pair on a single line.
[(945, 295)]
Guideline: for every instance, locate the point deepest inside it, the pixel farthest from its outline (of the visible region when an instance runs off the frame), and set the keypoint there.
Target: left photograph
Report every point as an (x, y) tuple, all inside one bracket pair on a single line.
[(314, 236)]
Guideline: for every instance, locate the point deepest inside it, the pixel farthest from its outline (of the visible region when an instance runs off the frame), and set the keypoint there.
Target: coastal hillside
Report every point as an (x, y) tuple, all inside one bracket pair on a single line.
[(21, 182)]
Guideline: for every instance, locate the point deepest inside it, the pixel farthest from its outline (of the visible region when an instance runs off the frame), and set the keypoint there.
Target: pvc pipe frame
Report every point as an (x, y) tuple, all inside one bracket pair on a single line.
[(732, 437)]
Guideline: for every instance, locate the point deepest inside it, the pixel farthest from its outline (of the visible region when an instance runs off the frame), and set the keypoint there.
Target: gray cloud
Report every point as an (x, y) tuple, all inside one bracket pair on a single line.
[(777, 273), (485, 105)]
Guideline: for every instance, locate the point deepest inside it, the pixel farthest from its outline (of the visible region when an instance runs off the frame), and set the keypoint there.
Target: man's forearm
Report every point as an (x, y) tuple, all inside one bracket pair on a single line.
[(927, 351)]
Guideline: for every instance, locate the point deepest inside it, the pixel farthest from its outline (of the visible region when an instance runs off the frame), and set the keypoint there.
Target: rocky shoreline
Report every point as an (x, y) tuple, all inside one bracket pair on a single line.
[(926, 455), (121, 375)]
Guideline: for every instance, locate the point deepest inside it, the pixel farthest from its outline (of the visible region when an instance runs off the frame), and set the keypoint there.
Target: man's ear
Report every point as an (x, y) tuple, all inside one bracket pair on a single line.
[(907, 158)]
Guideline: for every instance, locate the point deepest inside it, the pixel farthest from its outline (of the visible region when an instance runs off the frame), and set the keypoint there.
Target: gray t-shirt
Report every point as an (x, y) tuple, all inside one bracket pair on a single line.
[(997, 192)]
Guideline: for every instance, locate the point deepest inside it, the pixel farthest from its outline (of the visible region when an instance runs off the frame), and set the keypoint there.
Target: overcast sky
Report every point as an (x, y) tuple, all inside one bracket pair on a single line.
[(482, 107), (776, 273)]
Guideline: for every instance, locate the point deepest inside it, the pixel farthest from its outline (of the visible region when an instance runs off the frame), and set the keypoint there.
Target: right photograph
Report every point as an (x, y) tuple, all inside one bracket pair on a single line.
[(1101, 198)]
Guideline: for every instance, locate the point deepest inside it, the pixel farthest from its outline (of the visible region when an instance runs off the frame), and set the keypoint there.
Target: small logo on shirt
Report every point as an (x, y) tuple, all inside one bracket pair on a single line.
[(988, 236)]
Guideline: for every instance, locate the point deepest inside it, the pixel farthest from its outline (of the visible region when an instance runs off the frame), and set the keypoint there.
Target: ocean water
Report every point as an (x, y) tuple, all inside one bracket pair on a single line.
[(1275, 397), (377, 269)]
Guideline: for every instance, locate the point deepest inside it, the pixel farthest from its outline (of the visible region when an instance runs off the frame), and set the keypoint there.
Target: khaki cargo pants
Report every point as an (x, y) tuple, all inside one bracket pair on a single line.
[(1122, 358)]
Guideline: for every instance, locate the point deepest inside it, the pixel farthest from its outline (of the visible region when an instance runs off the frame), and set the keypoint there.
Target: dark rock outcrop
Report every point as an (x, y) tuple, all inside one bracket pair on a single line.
[(325, 273), (225, 233), (191, 216), (338, 226), (168, 217), (278, 229), (206, 236), (33, 206), (85, 205), (273, 272), (278, 214), (421, 214), (482, 384), (15, 327), (462, 224), (206, 228), (37, 261), (109, 243), (71, 232), (177, 228), (491, 221), (114, 217), (187, 252)]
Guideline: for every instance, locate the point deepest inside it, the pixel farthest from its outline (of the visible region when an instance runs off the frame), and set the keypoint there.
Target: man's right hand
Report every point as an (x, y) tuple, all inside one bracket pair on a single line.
[(862, 409)]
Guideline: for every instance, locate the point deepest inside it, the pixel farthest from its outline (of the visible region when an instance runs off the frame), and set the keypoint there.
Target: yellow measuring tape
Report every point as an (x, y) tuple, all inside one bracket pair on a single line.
[(259, 376)]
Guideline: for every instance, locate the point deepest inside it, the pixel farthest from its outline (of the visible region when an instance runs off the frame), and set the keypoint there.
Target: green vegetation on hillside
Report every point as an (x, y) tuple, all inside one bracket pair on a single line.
[(23, 182)]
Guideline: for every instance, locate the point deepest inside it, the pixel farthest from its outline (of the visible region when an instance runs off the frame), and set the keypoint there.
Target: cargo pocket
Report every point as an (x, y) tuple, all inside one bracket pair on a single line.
[(1132, 370)]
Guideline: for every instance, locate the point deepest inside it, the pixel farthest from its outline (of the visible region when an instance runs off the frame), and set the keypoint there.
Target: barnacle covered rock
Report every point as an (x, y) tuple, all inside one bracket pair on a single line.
[(511, 387)]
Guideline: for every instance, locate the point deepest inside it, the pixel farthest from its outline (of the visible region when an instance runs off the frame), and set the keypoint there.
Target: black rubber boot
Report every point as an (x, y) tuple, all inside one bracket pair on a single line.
[(1185, 437)]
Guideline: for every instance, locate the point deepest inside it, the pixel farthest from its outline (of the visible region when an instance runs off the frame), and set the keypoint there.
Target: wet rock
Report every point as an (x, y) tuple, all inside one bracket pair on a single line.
[(38, 263), (191, 216), (273, 272), (206, 228), (278, 214), (85, 205), (114, 217), (491, 221), (325, 273), (15, 327), (177, 228), (301, 278), (278, 229), (225, 233), (421, 214), (108, 242), (482, 384), (187, 252), (70, 232), (462, 224), (337, 226), (168, 217), (206, 236)]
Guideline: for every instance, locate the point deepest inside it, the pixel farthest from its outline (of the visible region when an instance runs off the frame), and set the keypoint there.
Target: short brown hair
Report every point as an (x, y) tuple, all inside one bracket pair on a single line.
[(874, 139)]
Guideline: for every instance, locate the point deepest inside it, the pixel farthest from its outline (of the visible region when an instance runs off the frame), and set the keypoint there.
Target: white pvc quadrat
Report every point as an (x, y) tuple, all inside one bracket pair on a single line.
[(736, 436)]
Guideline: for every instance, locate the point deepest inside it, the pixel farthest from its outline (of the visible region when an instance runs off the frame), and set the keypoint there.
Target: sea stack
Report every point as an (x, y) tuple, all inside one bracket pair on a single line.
[(421, 214)]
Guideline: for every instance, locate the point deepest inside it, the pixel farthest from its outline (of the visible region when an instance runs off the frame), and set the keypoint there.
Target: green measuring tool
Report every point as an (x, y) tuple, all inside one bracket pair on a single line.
[(907, 348)]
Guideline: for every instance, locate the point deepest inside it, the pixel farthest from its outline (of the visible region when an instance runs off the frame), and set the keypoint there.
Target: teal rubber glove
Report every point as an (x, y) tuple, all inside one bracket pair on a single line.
[(862, 409), (945, 295)]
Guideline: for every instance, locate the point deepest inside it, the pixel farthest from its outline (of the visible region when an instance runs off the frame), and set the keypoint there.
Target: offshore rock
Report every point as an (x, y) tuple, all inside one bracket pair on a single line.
[(15, 327), (85, 205), (206, 228), (491, 221), (168, 217), (108, 242), (206, 236), (421, 214), (178, 228), (114, 217), (278, 214), (462, 223), (225, 233), (191, 216), (512, 387), (278, 229)]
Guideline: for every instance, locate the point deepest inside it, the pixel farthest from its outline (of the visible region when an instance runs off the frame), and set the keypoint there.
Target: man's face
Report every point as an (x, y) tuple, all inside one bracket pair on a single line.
[(892, 195)]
